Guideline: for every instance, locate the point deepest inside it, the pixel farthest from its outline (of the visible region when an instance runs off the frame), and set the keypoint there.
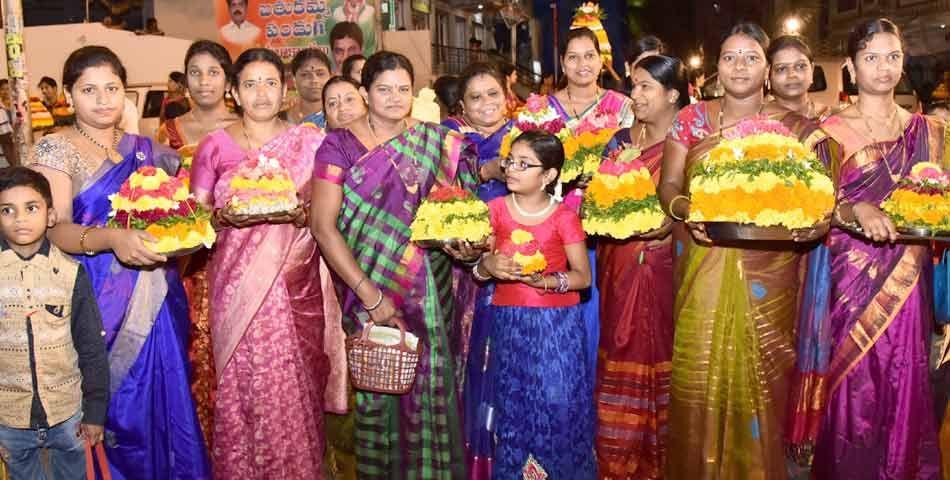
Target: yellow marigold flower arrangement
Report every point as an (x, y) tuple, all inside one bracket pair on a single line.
[(921, 200), (451, 213), (763, 176), (525, 251), (583, 158), (160, 204), (621, 200)]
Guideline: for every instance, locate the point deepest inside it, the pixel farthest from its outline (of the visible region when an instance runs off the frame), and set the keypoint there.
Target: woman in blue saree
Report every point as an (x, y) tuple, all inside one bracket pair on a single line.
[(152, 430), (485, 123)]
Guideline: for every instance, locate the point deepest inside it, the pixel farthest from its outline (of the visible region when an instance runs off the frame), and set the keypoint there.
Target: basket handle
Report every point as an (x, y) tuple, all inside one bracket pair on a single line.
[(399, 324)]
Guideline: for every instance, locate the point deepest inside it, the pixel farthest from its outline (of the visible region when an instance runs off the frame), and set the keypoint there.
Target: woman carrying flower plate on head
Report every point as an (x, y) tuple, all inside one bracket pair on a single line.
[(207, 65), (485, 123), (152, 431), (635, 277), (878, 421), (735, 305), (369, 179), (266, 300)]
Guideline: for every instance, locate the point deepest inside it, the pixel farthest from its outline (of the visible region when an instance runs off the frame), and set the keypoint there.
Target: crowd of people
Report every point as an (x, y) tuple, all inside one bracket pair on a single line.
[(667, 355)]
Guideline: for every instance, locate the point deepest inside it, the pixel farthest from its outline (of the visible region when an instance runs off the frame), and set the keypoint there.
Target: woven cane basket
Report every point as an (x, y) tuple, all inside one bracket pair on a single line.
[(375, 367)]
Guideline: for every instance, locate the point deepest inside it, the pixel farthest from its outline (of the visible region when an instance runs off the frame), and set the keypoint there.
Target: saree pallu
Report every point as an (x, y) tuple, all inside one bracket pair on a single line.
[(152, 431), (733, 352), (636, 347), (419, 434), (879, 420), (266, 325), (478, 390)]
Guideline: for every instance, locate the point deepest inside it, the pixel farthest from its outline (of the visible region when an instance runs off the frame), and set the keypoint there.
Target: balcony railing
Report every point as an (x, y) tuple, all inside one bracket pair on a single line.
[(448, 60)]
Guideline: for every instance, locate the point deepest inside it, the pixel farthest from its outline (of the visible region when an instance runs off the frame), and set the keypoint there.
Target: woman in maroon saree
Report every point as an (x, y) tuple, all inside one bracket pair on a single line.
[(879, 420), (635, 278)]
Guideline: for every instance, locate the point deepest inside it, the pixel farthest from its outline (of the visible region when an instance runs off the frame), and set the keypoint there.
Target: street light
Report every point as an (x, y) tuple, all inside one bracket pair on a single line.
[(695, 62), (792, 25)]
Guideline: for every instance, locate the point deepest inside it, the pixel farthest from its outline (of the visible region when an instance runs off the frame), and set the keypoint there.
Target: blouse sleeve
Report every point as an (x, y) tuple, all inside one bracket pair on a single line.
[(204, 171), (331, 160), (569, 227), (684, 127), (54, 151)]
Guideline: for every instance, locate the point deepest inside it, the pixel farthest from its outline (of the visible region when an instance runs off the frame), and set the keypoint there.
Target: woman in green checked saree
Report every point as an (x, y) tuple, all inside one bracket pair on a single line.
[(368, 181)]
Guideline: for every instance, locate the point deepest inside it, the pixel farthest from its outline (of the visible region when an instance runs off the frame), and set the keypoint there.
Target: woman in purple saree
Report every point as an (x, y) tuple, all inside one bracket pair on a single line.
[(879, 420), (369, 179)]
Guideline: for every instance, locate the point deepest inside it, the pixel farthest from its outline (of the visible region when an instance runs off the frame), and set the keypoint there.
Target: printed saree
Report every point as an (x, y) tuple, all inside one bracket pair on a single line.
[(266, 322)]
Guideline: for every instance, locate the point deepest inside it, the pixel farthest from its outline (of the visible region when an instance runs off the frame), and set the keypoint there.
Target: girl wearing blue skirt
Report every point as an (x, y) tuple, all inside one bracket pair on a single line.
[(544, 418)]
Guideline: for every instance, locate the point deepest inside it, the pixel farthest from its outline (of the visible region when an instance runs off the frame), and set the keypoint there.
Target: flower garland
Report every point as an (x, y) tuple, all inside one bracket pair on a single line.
[(761, 175), (921, 200), (450, 213), (153, 201), (621, 199)]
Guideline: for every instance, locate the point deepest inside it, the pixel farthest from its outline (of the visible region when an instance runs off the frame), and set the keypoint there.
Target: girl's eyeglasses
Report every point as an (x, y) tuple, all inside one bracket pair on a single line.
[(516, 166)]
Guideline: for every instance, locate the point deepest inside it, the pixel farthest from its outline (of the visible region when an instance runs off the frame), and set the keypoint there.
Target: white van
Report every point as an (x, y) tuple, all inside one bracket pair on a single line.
[(147, 98)]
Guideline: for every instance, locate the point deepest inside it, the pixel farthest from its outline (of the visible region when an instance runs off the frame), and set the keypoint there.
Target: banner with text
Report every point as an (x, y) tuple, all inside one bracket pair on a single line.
[(288, 26)]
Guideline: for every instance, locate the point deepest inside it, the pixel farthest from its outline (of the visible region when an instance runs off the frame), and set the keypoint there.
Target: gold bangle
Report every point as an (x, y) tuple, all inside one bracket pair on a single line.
[(82, 240), (670, 207)]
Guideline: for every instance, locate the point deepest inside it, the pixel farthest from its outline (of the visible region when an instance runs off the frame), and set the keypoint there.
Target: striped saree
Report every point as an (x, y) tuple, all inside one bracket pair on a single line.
[(417, 435)]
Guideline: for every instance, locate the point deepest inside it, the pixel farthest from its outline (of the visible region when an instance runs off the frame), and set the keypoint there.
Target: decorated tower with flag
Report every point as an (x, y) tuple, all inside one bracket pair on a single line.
[(590, 15)]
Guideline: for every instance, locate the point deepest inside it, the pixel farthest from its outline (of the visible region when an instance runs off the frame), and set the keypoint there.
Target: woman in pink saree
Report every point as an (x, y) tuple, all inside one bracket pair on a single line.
[(266, 301)]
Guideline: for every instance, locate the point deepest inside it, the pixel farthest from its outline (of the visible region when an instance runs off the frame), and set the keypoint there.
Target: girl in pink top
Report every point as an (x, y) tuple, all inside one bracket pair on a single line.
[(543, 390)]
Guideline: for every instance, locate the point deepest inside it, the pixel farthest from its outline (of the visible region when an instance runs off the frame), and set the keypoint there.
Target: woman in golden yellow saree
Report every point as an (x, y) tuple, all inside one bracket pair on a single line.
[(735, 305)]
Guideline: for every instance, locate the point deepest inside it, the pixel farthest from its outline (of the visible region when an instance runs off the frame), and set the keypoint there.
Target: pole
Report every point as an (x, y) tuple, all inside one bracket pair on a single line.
[(19, 83)]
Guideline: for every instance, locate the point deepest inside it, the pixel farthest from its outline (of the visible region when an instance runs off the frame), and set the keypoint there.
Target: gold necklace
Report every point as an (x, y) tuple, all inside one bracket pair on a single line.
[(571, 100), (878, 146)]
